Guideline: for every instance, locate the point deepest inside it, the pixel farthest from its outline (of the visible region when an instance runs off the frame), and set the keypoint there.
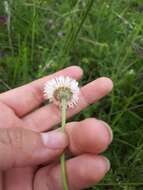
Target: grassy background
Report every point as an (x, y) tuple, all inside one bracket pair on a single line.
[(105, 38)]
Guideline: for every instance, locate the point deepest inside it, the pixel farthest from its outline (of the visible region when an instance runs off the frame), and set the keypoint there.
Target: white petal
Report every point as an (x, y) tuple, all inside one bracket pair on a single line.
[(62, 81)]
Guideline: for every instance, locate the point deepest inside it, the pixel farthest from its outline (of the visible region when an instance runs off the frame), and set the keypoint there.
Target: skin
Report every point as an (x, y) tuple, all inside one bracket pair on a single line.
[(26, 163)]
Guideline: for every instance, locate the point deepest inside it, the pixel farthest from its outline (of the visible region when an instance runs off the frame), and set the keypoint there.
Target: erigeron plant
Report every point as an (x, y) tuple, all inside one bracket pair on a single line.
[(64, 92)]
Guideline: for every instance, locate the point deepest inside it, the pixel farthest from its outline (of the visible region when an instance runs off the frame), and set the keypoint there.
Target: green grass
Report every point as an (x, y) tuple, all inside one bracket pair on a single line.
[(105, 38)]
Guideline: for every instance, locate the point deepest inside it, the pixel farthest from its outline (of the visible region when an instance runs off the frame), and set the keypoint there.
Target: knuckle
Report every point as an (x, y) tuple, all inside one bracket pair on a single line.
[(12, 137)]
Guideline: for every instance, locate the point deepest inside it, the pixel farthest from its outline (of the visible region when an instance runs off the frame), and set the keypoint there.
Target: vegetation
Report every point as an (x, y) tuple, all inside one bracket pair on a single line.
[(105, 38)]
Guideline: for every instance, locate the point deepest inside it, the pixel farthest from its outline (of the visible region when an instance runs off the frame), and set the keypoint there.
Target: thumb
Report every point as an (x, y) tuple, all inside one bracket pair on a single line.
[(21, 147)]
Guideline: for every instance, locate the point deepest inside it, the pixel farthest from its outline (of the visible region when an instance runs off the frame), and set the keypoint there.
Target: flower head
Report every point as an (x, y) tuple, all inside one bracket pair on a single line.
[(62, 87)]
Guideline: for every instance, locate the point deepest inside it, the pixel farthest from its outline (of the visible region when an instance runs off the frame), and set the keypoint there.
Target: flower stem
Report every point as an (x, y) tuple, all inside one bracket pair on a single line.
[(62, 159)]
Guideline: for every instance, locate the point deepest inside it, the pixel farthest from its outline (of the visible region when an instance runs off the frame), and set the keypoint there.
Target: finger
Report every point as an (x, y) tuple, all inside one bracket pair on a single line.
[(21, 147), (49, 115), (24, 99), (88, 136), (19, 178), (82, 171)]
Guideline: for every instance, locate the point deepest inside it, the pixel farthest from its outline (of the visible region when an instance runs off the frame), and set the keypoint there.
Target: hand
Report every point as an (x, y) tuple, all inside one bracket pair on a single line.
[(29, 156)]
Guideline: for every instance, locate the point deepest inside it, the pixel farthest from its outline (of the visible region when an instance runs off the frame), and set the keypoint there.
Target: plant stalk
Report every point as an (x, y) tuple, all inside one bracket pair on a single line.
[(62, 159)]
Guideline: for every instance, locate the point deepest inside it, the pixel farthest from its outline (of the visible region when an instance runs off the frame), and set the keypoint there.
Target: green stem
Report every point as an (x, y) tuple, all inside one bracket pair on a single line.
[(62, 159)]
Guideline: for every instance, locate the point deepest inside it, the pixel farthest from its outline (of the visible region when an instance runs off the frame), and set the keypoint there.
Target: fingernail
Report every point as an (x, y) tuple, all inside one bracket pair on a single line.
[(108, 165), (54, 140), (109, 131)]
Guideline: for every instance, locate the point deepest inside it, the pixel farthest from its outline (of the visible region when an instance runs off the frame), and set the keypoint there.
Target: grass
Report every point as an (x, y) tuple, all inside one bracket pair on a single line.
[(105, 38)]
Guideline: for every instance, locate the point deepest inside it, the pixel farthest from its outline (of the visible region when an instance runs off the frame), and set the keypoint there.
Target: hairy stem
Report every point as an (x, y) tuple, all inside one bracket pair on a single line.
[(62, 159)]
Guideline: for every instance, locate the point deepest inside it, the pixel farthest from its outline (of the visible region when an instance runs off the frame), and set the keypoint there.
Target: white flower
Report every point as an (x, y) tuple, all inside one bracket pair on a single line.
[(61, 86)]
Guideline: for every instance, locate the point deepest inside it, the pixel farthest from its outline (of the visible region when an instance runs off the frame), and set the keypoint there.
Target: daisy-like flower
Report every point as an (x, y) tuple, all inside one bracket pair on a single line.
[(62, 87)]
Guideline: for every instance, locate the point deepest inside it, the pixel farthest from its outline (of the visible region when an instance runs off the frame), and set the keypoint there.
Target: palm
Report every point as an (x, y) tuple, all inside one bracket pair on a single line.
[(16, 110), (9, 119)]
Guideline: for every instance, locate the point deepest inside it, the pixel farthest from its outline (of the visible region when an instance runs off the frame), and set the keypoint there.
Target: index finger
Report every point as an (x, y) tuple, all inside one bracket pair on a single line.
[(28, 97)]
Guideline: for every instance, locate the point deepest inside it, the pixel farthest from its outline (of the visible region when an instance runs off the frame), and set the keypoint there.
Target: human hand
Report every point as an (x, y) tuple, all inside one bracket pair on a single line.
[(29, 157)]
